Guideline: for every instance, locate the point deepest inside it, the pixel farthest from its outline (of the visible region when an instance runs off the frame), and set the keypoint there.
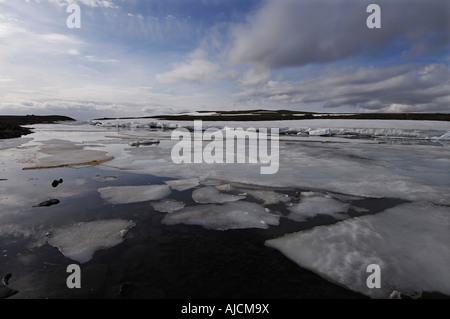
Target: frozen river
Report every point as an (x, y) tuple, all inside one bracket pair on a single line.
[(347, 194)]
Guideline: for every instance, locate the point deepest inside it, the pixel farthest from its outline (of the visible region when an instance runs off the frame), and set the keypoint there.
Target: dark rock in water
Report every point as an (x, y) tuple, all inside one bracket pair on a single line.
[(6, 279), (148, 142), (48, 203), (56, 182), (5, 292)]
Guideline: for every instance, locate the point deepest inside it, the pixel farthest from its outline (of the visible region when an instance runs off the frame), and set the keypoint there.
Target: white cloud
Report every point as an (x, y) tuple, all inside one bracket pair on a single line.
[(255, 77), (195, 70)]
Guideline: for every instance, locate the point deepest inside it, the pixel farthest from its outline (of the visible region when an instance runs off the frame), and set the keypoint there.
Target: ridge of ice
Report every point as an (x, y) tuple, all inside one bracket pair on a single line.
[(133, 194), (236, 215), (80, 241)]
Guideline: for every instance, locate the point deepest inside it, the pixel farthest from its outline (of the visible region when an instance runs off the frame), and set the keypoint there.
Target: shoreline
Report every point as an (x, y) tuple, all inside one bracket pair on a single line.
[(11, 125)]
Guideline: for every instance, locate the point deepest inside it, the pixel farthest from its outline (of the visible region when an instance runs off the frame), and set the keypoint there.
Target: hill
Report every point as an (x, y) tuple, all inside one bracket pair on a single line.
[(11, 125)]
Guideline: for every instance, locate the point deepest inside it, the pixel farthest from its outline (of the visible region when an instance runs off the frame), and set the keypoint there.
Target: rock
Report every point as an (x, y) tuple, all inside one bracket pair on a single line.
[(56, 182), (399, 295), (6, 279), (146, 142), (48, 203)]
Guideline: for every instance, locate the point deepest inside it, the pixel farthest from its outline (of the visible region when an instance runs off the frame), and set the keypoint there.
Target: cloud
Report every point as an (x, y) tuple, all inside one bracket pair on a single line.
[(406, 88), (255, 77), (296, 33), (196, 69)]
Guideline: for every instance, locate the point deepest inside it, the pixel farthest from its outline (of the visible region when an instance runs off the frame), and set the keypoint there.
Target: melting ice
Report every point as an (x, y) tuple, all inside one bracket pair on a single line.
[(211, 195), (133, 194), (237, 215), (409, 242), (80, 241)]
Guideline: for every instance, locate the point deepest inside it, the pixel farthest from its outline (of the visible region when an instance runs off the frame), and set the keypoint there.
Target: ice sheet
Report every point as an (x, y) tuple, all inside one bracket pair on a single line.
[(237, 215), (134, 194), (367, 169), (80, 241), (409, 243), (211, 195)]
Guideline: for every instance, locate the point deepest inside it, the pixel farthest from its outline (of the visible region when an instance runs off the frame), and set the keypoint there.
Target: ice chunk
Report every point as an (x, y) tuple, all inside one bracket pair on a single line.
[(168, 205), (210, 195), (134, 194), (238, 215), (183, 184), (317, 205), (269, 197), (321, 132), (80, 241), (409, 243), (62, 153)]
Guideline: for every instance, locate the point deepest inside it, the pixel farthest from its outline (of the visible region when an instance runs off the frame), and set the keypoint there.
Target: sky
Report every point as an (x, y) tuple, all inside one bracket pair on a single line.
[(151, 57)]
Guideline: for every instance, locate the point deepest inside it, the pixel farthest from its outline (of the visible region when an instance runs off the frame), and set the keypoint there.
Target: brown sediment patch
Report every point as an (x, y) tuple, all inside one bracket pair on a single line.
[(93, 163), (62, 153)]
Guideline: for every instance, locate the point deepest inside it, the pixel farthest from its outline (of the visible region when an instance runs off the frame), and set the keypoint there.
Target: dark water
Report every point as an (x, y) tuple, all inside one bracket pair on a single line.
[(156, 260)]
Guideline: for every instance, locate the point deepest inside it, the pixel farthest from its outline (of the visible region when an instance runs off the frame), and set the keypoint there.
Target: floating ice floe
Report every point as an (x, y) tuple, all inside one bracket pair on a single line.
[(134, 194), (80, 241), (237, 215), (183, 184), (269, 197), (312, 206), (211, 195), (168, 205), (61, 153), (408, 242)]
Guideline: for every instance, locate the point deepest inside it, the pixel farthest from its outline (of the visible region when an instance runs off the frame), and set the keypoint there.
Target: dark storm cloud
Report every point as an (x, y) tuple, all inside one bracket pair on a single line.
[(295, 33), (406, 88)]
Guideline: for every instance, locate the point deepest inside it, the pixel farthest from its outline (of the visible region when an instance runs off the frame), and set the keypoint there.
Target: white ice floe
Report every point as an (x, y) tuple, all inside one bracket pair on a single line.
[(409, 243), (211, 195), (312, 206), (237, 215), (183, 184), (134, 194), (168, 205), (62, 153), (80, 241), (268, 197)]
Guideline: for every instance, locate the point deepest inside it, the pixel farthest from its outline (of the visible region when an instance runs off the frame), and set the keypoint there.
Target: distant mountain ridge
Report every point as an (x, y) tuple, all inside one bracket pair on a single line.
[(274, 115)]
